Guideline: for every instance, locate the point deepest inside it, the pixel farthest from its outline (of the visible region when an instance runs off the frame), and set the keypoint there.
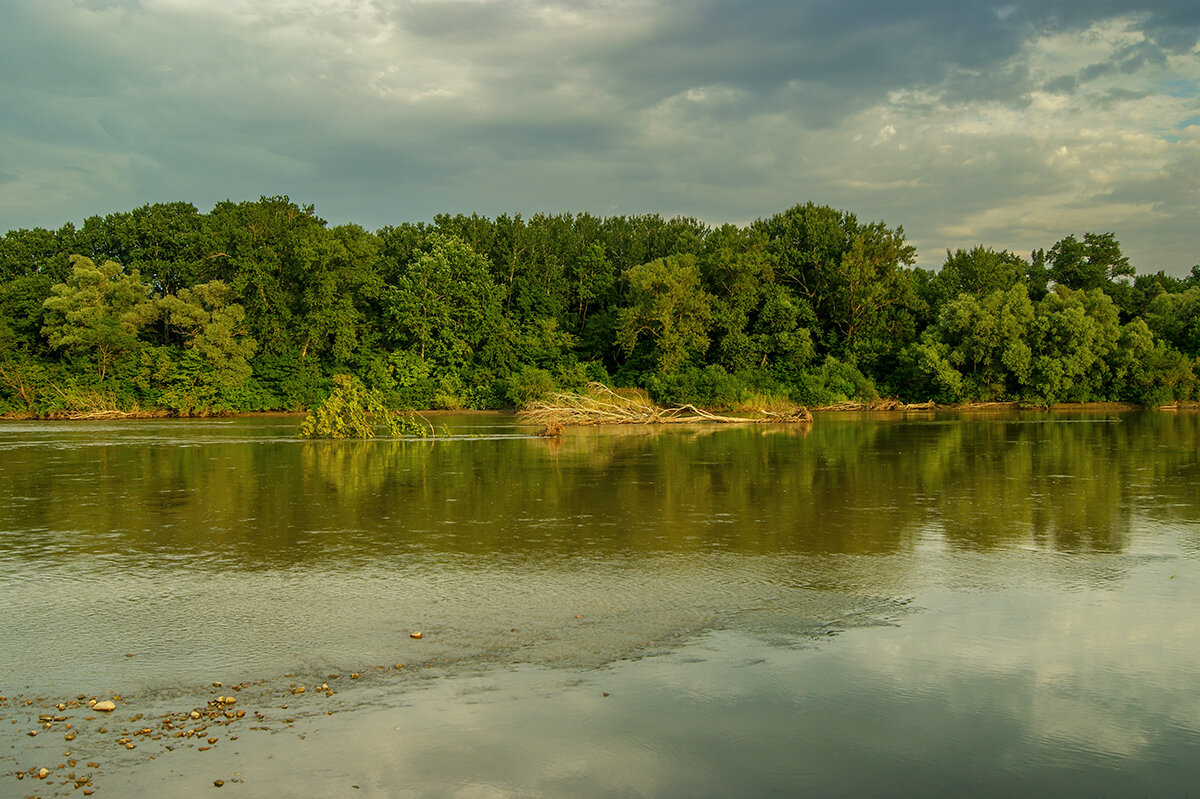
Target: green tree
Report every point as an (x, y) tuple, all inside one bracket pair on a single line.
[(668, 309), (1093, 263), (445, 306), (989, 341), (982, 270), (217, 347), (98, 312), (1076, 334), (850, 273), (1175, 318), (260, 253), (338, 286)]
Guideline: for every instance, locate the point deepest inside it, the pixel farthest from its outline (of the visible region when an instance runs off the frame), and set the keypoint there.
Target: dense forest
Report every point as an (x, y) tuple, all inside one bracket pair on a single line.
[(256, 305)]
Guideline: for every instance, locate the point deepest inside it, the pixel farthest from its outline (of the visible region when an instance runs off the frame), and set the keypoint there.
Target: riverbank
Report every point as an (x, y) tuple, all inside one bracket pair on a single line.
[(881, 407)]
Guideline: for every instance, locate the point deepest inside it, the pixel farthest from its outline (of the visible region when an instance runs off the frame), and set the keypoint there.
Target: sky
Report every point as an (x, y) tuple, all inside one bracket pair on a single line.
[(1004, 124)]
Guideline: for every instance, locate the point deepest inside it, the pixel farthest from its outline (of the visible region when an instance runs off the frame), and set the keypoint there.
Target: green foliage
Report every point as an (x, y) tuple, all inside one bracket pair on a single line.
[(1093, 263), (850, 273), (528, 385), (353, 411), (708, 387), (98, 312), (668, 309), (1175, 319), (832, 382), (254, 305), (209, 373), (22, 313), (445, 306)]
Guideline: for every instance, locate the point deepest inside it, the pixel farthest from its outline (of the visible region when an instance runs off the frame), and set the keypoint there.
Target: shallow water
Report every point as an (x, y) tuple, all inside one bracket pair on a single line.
[(933, 605)]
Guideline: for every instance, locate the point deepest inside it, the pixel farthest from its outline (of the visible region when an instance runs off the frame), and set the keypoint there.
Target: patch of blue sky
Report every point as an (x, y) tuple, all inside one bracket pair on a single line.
[(1180, 88)]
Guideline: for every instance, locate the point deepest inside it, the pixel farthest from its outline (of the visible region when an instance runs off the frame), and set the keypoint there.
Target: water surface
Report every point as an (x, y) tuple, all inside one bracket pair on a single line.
[(933, 605)]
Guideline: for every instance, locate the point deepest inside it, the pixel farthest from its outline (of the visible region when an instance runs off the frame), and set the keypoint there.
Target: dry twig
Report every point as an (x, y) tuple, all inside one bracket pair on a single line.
[(600, 404)]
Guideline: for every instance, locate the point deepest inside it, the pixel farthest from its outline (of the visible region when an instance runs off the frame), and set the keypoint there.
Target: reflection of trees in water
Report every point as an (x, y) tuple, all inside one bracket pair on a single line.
[(843, 486)]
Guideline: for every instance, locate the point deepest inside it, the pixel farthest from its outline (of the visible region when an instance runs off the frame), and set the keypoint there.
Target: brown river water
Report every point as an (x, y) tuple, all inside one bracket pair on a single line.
[(935, 604)]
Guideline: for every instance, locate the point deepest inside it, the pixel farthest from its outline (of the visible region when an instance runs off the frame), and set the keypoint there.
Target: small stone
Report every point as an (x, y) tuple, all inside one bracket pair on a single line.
[(105, 706), (69, 736), (195, 714), (212, 740), (231, 700), (43, 773), (416, 634), (298, 689), (218, 783)]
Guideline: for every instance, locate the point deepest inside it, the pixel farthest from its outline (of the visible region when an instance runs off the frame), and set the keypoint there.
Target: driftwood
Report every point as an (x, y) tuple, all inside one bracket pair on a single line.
[(879, 405), (601, 405)]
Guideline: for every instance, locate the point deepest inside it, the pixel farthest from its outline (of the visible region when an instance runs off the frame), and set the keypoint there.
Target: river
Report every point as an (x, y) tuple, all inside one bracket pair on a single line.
[(936, 604)]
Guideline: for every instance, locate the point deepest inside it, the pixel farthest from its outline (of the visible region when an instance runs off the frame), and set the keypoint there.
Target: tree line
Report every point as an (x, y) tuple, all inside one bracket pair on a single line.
[(257, 305)]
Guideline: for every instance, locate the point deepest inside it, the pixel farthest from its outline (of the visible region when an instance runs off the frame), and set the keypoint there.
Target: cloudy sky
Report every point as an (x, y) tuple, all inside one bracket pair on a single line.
[(1010, 124)]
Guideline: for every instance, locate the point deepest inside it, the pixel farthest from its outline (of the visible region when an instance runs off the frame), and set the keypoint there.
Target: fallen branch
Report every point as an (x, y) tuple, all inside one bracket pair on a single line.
[(601, 405), (879, 405)]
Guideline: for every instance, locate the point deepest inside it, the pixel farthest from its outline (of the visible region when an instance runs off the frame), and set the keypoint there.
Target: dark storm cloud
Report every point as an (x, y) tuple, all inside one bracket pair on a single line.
[(942, 115)]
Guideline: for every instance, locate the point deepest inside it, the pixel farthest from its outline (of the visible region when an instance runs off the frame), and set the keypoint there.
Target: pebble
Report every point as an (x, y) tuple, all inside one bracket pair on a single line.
[(106, 705), (218, 783), (416, 634)]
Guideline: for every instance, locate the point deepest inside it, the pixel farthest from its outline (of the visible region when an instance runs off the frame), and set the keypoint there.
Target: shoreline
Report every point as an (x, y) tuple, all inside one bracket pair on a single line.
[(881, 408)]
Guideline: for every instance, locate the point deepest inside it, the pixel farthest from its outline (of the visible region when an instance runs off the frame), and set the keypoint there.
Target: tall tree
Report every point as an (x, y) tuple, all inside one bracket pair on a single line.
[(1093, 263), (850, 273), (669, 310), (98, 312), (446, 305)]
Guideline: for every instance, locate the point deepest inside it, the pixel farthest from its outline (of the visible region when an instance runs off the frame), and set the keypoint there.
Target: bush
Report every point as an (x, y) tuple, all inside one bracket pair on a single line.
[(710, 387), (835, 381), (354, 411), (527, 385)]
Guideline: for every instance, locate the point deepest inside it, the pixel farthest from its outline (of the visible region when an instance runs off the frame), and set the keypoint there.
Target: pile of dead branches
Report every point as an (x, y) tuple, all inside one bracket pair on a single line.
[(878, 405), (599, 404)]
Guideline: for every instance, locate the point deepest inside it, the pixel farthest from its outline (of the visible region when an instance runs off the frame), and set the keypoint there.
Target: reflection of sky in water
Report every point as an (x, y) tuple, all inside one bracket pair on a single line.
[(861, 607)]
